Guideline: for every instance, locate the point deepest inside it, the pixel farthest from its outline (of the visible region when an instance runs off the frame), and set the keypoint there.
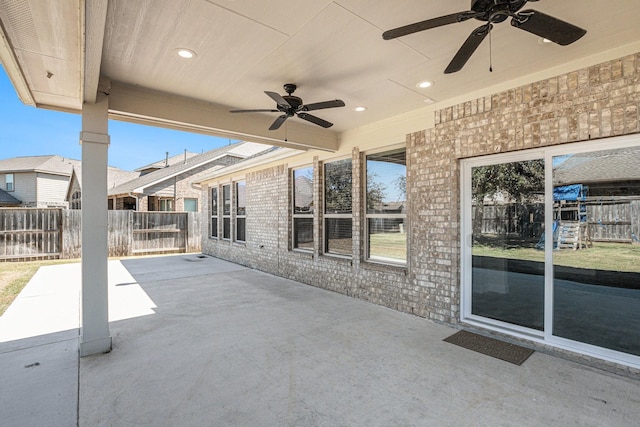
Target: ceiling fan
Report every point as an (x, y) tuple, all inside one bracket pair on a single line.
[(292, 105), (494, 12)]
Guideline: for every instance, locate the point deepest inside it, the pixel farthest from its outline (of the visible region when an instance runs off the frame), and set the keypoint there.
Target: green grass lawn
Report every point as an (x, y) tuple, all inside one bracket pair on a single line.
[(602, 256), (388, 245), (15, 275)]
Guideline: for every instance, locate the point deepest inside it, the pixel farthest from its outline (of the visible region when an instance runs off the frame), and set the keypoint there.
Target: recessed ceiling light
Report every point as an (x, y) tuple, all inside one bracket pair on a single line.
[(359, 109), (186, 53), (424, 84), (545, 41)]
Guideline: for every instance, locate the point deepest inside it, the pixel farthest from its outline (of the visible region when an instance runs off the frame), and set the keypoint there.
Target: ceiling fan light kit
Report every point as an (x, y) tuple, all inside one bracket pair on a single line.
[(494, 12)]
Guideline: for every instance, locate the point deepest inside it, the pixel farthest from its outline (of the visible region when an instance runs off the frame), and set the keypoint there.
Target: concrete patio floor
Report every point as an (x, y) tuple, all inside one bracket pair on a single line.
[(203, 342)]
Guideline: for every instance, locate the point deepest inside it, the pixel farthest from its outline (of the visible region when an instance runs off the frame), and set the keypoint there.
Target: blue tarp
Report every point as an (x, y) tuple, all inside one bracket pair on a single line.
[(568, 192)]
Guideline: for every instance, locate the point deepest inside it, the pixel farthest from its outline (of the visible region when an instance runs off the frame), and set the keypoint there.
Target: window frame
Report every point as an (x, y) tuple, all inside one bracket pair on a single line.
[(214, 208), (238, 215), (8, 182), (326, 250), (368, 216), (296, 215), (226, 217)]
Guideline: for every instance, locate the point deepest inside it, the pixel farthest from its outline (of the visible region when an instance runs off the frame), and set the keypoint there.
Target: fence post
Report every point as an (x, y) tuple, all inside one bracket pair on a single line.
[(130, 240)]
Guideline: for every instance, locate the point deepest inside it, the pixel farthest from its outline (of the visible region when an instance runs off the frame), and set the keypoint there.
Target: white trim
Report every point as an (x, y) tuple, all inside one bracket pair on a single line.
[(261, 160)]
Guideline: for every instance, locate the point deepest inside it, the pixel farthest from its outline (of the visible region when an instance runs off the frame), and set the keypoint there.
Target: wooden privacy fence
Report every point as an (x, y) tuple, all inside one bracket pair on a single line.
[(614, 220), (56, 233), (30, 233)]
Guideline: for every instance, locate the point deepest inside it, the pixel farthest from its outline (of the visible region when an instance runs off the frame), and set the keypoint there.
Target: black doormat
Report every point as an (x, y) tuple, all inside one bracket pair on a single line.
[(491, 347)]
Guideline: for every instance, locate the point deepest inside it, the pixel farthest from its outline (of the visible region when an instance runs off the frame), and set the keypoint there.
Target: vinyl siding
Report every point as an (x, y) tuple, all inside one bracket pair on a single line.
[(52, 190), (25, 187)]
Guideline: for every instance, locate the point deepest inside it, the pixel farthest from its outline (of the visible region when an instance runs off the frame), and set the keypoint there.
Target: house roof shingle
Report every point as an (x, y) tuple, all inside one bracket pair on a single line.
[(174, 160), (52, 164), (600, 166), (7, 199)]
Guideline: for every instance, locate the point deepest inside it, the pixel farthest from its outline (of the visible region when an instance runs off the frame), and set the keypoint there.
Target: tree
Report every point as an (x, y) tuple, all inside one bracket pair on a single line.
[(520, 181), (338, 186)]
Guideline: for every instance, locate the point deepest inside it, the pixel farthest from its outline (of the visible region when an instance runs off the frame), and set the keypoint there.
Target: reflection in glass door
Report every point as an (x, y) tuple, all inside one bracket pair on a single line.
[(596, 257), (508, 240)]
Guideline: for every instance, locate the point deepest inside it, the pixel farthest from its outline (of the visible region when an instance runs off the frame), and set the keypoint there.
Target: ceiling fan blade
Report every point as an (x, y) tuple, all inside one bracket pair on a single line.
[(279, 121), (255, 111), (279, 99), (322, 105), (547, 26), (423, 25), (316, 120), (468, 47)]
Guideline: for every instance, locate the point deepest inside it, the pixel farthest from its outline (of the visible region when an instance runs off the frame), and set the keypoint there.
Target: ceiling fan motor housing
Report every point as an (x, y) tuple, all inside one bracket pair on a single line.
[(496, 10), (294, 101)]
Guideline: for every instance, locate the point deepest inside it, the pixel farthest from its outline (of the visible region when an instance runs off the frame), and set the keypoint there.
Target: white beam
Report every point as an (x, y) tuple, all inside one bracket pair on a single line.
[(95, 336), (138, 105), (95, 18)]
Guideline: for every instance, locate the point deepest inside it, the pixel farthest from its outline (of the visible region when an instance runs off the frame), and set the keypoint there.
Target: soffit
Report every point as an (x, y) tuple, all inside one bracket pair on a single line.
[(330, 49)]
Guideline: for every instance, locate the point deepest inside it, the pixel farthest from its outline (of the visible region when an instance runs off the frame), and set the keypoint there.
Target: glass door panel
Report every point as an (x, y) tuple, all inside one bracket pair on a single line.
[(508, 242), (596, 256)]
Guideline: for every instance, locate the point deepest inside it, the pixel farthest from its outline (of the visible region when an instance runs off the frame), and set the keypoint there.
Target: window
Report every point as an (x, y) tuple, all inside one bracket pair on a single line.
[(303, 208), (226, 212), (8, 180), (166, 205), (76, 200), (386, 206), (191, 205), (214, 212), (241, 211), (338, 208)]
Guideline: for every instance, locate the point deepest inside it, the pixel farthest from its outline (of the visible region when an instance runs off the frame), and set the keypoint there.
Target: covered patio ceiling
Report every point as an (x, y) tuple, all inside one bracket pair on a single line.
[(61, 54)]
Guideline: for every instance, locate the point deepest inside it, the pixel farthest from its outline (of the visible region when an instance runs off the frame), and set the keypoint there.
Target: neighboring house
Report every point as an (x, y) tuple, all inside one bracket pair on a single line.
[(37, 181), (616, 173), (172, 188), (115, 177)]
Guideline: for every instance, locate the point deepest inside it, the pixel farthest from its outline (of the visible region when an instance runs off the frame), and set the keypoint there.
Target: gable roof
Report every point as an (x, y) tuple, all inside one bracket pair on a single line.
[(53, 164), (7, 199), (115, 176), (239, 150)]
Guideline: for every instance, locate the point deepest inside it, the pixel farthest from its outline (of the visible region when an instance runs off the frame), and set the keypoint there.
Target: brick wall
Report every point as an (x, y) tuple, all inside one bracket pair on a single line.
[(595, 102)]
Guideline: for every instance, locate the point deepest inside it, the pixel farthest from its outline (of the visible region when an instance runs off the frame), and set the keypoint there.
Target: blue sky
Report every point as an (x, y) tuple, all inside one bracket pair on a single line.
[(29, 131)]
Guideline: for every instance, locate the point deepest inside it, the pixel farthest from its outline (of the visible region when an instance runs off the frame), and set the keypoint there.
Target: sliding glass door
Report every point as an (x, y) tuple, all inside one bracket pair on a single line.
[(551, 246)]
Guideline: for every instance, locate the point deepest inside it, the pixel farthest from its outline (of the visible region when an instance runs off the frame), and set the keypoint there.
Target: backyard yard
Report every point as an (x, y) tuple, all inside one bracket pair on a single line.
[(601, 256)]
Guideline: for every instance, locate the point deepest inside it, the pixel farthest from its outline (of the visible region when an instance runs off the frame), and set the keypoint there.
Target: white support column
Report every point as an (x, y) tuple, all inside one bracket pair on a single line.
[(95, 337)]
